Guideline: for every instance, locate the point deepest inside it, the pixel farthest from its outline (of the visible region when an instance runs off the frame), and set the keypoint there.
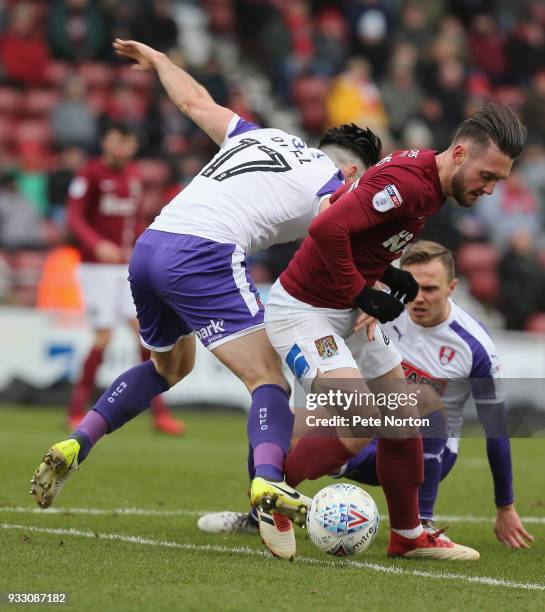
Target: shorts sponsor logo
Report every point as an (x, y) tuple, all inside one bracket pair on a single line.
[(213, 331), (326, 347), (446, 354), (387, 198)]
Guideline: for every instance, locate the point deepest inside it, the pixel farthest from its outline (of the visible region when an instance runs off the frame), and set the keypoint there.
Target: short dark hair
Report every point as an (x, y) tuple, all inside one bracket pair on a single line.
[(363, 142), (494, 123), (118, 126), (423, 251)]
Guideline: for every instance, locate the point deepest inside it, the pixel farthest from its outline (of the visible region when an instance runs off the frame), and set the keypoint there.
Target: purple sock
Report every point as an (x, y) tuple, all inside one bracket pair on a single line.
[(433, 464), (92, 427), (270, 425), (130, 394)]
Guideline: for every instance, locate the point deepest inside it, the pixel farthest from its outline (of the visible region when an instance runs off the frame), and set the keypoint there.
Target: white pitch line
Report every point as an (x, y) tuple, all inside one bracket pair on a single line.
[(245, 550), (469, 518), (103, 511)]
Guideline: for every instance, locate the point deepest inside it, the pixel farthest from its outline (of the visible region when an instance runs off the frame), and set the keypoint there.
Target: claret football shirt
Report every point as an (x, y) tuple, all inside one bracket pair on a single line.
[(368, 225)]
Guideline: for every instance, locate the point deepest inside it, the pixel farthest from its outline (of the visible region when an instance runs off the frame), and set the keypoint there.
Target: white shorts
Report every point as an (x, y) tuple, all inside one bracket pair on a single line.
[(309, 339), (106, 294)]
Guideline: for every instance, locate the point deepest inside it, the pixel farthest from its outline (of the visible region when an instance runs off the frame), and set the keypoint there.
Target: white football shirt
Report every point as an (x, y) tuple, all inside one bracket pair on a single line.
[(457, 357), (263, 187)]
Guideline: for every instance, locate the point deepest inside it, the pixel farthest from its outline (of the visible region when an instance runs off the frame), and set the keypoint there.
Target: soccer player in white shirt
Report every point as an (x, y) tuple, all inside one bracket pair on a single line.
[(188, 277), (443, 345)]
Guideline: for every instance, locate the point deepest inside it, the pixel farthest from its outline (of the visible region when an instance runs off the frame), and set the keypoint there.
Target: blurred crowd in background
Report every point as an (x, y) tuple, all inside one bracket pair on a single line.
[(409, 69)]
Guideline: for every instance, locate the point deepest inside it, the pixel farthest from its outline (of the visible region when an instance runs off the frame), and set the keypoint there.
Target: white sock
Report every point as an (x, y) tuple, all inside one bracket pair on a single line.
[(410, 533)]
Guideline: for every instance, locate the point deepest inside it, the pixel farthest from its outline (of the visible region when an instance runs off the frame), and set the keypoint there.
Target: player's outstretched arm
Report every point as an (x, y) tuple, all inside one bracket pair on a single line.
[(509, 528), (189, 96)]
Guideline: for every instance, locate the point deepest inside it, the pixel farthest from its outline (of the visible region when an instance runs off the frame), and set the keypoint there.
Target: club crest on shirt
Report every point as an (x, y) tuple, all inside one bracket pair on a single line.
[(446, 354), (387, 198), (326, 347)]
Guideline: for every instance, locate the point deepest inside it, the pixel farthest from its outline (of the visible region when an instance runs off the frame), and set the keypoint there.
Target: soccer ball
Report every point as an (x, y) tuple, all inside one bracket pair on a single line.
[(343, 520)]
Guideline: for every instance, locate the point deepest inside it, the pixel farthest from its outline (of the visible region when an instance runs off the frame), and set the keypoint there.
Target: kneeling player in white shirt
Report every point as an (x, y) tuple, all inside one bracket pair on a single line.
[(443, 345)]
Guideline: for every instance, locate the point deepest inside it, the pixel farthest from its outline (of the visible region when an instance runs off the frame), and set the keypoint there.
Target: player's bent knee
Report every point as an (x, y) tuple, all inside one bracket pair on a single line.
[(173, 374), (172, 370)]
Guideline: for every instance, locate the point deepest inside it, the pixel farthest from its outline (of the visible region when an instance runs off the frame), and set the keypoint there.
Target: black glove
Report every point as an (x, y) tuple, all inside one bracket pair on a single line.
[(383, 306), (402, 283)]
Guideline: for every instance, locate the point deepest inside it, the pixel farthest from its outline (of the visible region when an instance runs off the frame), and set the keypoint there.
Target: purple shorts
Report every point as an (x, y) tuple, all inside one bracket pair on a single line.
[(182, 284)]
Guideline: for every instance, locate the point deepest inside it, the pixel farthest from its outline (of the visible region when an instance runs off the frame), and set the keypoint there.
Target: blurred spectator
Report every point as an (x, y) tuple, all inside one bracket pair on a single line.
[(526, 50), (72, 120), (534, 109), (466, 9), (450, 91), (513, 207), (297, 20), (431, 113), (187, 169), (154, 25), (522, 286), (330, 42), (77, 31), (416, 135), (174, 127), (354, 97), (372, 40), (126, 105), (532, 167), (69, 161), (400, 85), (119, 14), (24, 56), (211, 76), (31, 177), (487, 44), (20, 224), (274, 45), (414, 27)]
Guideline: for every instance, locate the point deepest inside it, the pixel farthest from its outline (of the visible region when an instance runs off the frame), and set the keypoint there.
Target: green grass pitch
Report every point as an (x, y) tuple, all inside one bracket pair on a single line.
[(154, 558)]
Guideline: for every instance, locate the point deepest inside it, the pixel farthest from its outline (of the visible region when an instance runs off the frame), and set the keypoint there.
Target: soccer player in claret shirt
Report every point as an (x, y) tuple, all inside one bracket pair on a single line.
[(188, 278), (104, 215), (317, 299)]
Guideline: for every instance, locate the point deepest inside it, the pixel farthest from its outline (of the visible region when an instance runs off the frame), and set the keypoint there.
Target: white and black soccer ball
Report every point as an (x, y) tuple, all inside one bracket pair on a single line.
[(343, 520)]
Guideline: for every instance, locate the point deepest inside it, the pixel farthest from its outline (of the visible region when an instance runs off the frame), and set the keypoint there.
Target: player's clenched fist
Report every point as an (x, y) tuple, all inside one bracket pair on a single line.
[(383, 306), (402, 283)]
